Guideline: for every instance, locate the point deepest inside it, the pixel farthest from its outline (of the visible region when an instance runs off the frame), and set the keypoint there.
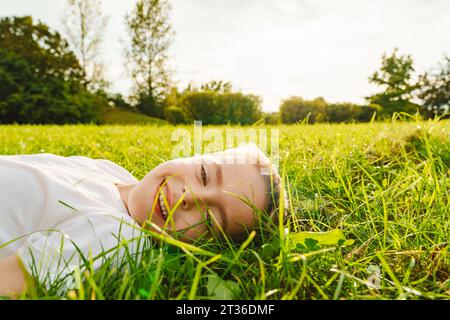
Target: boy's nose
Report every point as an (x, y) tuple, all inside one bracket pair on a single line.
[(194, 198), (191, 197)]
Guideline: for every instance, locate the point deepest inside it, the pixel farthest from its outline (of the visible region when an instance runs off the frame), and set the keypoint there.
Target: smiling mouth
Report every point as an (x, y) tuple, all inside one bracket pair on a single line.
[(160, 205)]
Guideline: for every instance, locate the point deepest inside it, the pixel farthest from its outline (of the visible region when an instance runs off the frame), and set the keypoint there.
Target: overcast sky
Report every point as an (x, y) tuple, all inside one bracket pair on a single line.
[(278, 48)]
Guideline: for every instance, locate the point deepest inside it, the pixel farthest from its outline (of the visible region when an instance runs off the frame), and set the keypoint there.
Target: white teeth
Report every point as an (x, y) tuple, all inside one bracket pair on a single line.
[(161, 202)]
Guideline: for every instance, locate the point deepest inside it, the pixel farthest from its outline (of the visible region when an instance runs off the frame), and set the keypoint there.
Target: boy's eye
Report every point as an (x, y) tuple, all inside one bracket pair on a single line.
[(204, 175)]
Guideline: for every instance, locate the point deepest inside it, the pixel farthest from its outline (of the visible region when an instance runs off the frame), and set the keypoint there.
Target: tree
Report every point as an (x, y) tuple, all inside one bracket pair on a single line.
[(213, 107), (395, 77), (84, 26), (348, 112), (249, 108), (296, 109), (434, 90), (118, 101), (175, 115), (40, 78), (150, 37), (47, 52), (217, 86), (26, 97)]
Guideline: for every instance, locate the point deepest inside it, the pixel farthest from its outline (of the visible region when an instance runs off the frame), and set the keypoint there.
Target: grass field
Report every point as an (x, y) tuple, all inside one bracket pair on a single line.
[(385, 185)]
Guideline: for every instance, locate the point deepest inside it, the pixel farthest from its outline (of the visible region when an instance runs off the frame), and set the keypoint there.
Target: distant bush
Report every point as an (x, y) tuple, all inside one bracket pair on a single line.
[(219, 108), (272, 118), (348, 112), (297, 109), (175, 115)]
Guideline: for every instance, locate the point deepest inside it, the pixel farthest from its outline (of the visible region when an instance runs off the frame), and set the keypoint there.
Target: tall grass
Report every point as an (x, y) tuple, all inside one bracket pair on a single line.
[(385, 185)]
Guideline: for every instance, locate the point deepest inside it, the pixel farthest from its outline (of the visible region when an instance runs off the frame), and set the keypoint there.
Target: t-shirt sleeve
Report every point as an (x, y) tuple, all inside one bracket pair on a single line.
[(52, 255)]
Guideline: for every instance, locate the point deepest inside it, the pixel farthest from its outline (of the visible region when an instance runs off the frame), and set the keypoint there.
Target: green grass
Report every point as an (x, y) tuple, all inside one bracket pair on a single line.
[(385, 185), (119, 116)]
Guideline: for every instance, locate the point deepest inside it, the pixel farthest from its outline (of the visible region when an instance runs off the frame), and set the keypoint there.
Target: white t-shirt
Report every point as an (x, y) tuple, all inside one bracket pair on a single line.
[(54, 210)]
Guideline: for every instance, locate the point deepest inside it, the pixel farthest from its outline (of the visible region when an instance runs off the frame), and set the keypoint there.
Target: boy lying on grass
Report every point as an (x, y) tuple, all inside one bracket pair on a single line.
[(56, 211)]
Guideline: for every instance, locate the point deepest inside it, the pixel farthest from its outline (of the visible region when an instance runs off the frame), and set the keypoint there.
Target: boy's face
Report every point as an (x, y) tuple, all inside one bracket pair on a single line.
[(191, 187)]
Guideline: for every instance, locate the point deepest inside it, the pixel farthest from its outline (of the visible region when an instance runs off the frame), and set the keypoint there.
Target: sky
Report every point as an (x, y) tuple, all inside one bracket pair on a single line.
[(277, 48)]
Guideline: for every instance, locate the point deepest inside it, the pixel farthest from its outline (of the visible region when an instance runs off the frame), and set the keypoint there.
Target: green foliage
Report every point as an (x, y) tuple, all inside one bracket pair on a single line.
[(434, 90), (45, 51), (150, 36), (328, 238), (217, 86), (297, 109), (117, 100), (175, 115), (219, 289), (213, 107), (213, 103), (41, 81), (150, 105), (348, 112), (28, 97), (395, 77)]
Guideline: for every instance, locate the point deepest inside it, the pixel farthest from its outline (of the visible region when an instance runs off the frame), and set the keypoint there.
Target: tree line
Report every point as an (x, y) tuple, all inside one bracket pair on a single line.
[(428, 94), (52, 77)]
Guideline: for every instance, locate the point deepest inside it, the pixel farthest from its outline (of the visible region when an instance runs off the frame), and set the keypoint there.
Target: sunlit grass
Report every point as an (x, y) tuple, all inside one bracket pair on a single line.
[(385, 185)]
